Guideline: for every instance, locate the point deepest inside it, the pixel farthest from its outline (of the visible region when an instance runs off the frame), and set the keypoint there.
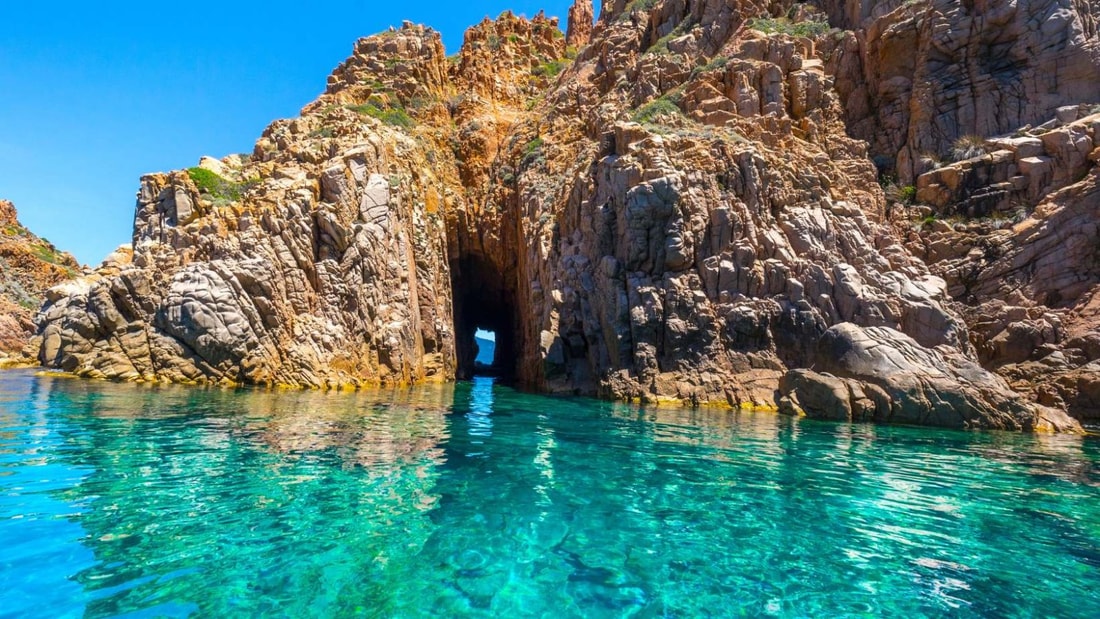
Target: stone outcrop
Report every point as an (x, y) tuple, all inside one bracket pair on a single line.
[(29, 266), (579, 30), (916, 75), (878, 374), (1020, 258), (1013, 173), (674, 210)]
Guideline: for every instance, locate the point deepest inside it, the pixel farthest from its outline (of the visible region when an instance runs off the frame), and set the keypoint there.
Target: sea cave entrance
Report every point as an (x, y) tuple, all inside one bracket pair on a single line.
[(484, 304)]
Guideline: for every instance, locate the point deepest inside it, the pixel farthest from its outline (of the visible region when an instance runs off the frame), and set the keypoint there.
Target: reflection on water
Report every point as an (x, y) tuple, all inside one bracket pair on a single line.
[(473, 499), (479, 392)]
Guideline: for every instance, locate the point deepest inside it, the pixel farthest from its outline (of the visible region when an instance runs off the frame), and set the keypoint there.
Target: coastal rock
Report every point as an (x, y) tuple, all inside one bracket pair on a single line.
[(878, 374), (1019, 259), (29, 266), (668, 208), (917, 75)]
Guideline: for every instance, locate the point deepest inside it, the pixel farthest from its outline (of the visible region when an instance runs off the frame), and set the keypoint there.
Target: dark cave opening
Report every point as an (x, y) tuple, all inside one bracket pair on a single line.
[(482, 300)]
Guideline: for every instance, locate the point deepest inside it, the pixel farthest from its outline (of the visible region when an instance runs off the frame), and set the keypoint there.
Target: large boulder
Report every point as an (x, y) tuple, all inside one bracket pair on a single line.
[(878, 374)]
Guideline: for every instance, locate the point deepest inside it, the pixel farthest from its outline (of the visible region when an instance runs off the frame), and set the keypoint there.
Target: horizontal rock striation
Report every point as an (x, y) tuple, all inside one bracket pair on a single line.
[(666, 204), (878, 374)]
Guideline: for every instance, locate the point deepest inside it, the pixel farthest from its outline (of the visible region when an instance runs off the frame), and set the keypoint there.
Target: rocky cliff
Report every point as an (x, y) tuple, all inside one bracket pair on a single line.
[(684, 201), (29, 266)]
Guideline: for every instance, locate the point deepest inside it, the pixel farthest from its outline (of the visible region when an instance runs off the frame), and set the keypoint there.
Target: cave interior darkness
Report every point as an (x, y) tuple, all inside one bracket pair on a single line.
[(484, 300)]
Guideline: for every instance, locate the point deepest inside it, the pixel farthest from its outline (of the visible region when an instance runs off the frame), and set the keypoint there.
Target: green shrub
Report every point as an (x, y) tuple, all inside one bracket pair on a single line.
[(398, 118), (897, 193), (219, 188), (45, 253), (374, 84), (389, 114), (208, 182), (717, 62), (661, 106), (907, 194), (661, 46), (782, 25), (550, 68), (532, 151)]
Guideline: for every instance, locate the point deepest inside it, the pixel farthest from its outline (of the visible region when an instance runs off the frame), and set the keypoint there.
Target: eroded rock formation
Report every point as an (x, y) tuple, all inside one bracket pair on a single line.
[(29, 266), (1015, 233), (677, 209), (915, 75)]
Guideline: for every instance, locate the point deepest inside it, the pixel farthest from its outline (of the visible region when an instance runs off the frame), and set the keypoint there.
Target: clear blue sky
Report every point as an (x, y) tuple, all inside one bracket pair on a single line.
[(95, 94)]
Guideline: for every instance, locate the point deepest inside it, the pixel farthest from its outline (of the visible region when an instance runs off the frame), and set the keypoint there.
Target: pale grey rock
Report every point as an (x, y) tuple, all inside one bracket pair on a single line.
[(878, 374)]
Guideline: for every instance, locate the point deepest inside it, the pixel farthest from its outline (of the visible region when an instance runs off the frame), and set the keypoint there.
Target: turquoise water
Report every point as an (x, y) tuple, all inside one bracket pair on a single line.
[(476, 500)]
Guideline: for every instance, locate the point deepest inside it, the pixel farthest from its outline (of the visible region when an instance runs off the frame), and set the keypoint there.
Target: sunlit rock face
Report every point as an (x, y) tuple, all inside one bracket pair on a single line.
[(29, 266), (670, 204)]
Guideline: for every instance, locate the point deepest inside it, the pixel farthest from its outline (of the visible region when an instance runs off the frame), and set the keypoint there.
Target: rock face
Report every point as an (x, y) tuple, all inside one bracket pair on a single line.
[(915, 75), (29, 265), (1017, 245), (675, 210), (580, 24), (878, 374)]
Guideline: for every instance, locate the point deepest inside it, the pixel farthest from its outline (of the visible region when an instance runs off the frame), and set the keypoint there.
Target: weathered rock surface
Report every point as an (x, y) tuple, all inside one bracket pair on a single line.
[(579, 30), (878, 374), (1022, 263), (29, 266), (677, 212), (915, 75)]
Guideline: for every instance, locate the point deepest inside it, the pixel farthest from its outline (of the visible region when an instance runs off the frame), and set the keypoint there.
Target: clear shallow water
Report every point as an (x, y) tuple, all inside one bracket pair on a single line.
[(475, 500)]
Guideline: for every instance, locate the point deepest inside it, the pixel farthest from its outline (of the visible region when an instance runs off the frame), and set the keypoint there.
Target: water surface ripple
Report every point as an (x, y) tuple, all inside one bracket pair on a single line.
[(476, 500)]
